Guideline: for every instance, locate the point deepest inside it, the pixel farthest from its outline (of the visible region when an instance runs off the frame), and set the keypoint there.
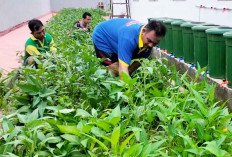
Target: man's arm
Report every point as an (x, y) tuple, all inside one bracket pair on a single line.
[(52, 46), (76, 24), (32, 50), (117, 68), (126, 47), (122, 67)]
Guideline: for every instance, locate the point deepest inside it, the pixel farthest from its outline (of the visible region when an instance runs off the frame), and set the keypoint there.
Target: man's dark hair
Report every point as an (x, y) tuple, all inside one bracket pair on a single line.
[(157, 26), (86, 14), (35, 25)]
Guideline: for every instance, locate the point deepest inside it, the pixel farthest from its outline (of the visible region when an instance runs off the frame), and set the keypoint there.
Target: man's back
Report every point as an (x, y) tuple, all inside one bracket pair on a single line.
[(107, 33), (119, 41)]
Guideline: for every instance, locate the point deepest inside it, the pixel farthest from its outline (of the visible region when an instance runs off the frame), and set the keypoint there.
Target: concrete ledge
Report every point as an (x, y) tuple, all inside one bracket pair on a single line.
[(223, 93)]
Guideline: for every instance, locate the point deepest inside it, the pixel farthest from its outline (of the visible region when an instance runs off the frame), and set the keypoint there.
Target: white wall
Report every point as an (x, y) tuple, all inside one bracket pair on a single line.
[(186, 9), (57, 5), (13, 12)]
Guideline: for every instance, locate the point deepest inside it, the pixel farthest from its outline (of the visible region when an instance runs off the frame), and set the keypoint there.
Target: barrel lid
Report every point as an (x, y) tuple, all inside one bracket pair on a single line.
[(219, 30), (152, 19), (169, 21), (204, 27), (178, 23), (228, 34), (158, 19), (161, 19), (192, 24)]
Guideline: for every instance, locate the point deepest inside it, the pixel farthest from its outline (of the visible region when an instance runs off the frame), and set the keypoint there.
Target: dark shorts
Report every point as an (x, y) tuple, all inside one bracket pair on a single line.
[(110, 58)]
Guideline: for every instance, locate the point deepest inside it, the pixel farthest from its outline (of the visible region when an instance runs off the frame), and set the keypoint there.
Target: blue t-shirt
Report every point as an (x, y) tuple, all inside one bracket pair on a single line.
[(120, 36)]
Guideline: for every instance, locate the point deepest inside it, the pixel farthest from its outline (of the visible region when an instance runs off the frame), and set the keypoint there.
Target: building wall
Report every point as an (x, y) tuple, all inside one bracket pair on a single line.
[(183, 9), (57, 5), (14, 12)]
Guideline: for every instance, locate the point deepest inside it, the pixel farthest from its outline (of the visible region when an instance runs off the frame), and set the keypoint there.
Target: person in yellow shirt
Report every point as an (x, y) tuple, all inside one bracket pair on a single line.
[(39, 42)]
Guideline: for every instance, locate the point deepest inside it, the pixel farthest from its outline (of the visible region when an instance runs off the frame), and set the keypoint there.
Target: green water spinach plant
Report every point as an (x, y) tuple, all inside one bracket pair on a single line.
[(71, 106)]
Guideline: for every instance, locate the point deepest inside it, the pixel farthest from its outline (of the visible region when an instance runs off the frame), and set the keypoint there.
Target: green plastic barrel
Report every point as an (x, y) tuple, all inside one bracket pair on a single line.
[(149, 19), (177, 38), (201, 44), (217, 51), (157, 18), (168, 36), (228, 37), (162, 43), (152, 19), (188, 42)]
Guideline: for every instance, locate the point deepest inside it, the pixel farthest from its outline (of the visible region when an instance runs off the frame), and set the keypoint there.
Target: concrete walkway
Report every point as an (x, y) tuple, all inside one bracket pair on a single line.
[(14, 42)]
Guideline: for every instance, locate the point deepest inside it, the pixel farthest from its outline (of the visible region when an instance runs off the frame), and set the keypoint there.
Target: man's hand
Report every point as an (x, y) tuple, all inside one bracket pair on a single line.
[(30, 60), (121, 68), (117, 68), (113, 68), (85, 29)]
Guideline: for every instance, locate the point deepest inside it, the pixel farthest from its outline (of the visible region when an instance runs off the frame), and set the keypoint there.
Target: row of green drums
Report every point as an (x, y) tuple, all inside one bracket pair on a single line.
[(200, 43)]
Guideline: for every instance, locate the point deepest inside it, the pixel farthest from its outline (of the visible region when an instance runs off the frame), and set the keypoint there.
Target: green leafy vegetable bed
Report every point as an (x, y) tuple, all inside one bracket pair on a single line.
[(70, 106)]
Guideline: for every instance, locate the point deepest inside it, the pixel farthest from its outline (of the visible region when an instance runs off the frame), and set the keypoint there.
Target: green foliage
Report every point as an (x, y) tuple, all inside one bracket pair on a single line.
[(70, 106)]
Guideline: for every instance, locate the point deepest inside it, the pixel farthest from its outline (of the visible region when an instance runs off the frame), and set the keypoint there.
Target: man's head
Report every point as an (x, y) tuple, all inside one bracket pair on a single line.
[(152, 33), (86, 18), (37, 29)]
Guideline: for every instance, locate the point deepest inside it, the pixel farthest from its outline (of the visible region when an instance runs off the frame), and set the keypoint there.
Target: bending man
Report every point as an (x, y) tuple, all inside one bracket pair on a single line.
[(120, 41)]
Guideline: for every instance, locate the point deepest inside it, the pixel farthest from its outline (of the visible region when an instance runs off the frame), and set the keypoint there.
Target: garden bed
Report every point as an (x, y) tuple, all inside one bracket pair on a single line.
[(71, 106)]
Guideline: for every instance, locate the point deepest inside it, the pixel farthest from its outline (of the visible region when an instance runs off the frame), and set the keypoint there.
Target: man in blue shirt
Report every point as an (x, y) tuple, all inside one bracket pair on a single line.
[(120, 41)]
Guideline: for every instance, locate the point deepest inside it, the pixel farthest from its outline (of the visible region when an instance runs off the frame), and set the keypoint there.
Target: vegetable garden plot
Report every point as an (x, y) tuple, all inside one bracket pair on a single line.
[(71, 106)]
